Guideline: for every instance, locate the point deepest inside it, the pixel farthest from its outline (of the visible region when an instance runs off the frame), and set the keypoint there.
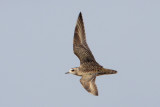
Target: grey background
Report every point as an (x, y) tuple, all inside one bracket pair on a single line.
[(36, 50)]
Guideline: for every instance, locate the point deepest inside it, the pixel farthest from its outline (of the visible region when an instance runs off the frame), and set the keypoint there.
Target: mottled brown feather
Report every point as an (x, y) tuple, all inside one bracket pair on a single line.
[(80, 46), (89, 68)]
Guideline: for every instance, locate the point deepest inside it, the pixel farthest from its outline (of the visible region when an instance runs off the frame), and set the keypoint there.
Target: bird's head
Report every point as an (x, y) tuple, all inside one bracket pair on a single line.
[(72, 71)]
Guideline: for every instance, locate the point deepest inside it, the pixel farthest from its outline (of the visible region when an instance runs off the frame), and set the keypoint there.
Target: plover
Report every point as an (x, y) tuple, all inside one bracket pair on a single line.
[(88, 68)]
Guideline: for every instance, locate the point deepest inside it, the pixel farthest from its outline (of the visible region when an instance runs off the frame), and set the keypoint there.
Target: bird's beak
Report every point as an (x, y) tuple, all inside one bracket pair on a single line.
[(67, 73)]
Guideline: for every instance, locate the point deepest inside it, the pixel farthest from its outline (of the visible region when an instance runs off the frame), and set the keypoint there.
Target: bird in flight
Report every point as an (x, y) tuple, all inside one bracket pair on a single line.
[(89, 69)]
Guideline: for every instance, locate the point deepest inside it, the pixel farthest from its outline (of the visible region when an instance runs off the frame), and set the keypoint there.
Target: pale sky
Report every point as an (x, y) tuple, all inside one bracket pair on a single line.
[(36, 50)]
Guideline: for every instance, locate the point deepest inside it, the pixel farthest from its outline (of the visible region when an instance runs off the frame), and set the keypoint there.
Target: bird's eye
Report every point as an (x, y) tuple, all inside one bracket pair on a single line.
[(72, 70)]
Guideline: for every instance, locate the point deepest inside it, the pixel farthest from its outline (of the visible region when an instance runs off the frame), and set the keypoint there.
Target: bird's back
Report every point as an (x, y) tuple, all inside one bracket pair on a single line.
[(90, 67)]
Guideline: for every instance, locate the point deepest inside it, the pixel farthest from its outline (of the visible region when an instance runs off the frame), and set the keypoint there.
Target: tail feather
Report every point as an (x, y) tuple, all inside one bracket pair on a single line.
[(109, 71)]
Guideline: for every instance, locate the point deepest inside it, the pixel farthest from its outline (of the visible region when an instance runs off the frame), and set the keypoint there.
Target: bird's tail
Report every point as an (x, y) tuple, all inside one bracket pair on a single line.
[(109, 71)]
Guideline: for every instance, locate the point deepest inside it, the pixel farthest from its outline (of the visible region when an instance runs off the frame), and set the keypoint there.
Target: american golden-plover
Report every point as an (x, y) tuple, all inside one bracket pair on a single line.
[(88, 68)]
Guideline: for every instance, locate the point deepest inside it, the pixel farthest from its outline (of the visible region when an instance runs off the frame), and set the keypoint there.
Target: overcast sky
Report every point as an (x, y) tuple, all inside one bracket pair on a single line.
[(36, 50)]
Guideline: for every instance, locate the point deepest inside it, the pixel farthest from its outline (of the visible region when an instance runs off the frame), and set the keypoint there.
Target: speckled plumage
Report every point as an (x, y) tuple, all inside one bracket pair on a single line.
[(88, 68)]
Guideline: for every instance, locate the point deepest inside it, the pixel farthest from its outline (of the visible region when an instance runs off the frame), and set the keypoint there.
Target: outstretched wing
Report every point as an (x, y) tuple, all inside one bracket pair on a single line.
[(80, 47), (88, 82)]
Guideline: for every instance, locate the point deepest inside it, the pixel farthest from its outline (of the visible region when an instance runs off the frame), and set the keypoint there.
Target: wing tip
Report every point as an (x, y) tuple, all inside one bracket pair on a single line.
[(96, 94), (80, 15)]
